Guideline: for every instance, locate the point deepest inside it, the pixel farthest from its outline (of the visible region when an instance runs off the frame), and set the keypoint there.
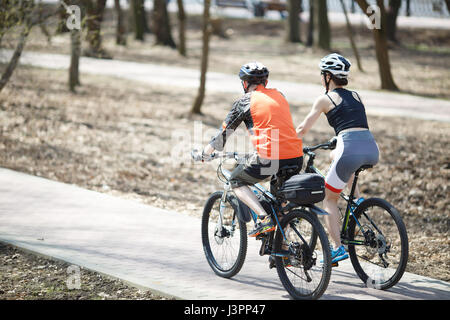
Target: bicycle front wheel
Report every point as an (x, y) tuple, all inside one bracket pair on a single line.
[(303, 270), (378, 243), (224, 237)]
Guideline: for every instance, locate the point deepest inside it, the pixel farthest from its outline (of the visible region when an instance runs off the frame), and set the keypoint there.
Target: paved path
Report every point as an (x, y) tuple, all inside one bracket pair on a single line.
[(153, 248), (376, 102)]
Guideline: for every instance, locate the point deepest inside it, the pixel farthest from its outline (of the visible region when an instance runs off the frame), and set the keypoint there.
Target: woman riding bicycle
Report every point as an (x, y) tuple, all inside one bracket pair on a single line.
[(355, 144)]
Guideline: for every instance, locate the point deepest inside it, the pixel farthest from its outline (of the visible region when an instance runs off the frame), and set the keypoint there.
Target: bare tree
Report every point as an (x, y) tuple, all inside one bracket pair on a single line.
[(94, 13), (381, 46), (391, 19), (121, 30), (137, 18), (196, 107), (74, 77), (181, 28), (161, 24), (23, 15), (350, 35), (293, 21), (321, 33), (310, 38)]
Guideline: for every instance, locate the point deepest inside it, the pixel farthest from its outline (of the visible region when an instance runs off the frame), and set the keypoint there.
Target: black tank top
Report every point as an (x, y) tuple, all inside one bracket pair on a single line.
[(350, 113)]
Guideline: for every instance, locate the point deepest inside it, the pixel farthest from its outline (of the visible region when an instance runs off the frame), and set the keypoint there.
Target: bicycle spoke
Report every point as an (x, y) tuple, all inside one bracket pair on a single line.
[(302, 262), (224, 238)]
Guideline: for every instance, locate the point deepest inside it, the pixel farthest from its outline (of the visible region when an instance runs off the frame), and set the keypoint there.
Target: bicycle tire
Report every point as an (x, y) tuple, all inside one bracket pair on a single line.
[(323, 267), (231, 268), (381, 244)]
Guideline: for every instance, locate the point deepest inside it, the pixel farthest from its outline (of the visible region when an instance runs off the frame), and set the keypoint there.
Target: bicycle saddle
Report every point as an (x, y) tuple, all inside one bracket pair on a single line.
[(365, 167)]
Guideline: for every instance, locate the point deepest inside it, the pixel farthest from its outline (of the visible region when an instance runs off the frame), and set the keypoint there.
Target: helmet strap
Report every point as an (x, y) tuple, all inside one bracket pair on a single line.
[(327, 83), (245, 87)]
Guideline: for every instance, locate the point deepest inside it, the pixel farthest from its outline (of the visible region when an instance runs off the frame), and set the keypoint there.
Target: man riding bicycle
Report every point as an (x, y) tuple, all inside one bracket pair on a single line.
[(267, 117)]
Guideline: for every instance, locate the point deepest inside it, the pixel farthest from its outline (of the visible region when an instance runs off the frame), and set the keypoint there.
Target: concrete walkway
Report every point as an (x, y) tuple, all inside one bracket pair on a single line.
[(376, 102), (154, 248)]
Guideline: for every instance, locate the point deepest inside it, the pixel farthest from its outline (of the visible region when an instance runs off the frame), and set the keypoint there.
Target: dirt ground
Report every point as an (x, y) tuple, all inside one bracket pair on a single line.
[(132, 140), (26, 276)]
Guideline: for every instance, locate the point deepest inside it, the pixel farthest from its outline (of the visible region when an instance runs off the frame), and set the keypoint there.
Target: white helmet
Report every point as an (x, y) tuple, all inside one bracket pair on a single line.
[(336, 65)]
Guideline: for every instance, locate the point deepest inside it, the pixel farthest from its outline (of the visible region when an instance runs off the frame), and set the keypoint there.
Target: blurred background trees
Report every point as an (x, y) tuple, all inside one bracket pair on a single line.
[(306, 23)]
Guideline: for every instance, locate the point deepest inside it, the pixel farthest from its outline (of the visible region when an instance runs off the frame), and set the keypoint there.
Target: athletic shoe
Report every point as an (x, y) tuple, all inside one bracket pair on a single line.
[(359, 201), (338, 255), (263, 226)]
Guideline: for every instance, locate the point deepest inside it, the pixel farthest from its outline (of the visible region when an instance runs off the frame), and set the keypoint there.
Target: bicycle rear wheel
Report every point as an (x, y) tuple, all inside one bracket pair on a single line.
[(303, 270), (224, 239), (381, 261)]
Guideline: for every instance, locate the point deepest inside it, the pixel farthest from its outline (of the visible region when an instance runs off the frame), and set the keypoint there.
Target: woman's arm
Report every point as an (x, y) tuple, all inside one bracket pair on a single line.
[(318, 107)]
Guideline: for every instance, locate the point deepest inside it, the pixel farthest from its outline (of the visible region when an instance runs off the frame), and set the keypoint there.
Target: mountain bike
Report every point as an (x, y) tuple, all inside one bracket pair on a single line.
[(303, 262), (373, 231)]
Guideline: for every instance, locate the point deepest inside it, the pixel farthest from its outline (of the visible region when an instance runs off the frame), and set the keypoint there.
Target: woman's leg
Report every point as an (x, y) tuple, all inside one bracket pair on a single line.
[(332, 219), (349, 184)]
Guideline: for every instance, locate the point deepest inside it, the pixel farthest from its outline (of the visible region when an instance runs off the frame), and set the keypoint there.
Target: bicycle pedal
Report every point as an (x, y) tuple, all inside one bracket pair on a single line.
[(336, 264)]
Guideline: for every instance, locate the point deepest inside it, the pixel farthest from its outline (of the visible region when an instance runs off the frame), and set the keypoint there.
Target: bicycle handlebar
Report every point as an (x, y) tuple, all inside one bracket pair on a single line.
[(197, 156), (329, 145), (215, 155)]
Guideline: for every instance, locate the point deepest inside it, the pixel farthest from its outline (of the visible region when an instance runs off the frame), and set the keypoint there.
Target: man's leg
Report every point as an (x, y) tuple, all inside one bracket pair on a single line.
[(248, 197)]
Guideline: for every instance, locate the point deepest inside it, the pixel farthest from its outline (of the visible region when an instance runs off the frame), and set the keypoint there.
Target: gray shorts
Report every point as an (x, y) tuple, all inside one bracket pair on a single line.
[(256, 169), (353, 150)]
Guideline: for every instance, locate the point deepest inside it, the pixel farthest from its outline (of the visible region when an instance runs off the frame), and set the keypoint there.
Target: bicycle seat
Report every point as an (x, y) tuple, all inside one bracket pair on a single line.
[(286, 170), (365, 167)]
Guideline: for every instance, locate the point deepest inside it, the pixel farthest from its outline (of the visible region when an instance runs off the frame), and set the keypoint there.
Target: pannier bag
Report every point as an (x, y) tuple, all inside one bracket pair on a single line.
[(303, 189)]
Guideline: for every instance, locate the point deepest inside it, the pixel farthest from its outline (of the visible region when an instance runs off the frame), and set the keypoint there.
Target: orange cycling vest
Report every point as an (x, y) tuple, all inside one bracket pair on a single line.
[(274, 135), (268, 119)]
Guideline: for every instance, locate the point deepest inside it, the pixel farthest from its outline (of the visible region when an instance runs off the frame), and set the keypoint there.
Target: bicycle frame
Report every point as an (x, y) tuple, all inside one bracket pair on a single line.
[(227, 188)]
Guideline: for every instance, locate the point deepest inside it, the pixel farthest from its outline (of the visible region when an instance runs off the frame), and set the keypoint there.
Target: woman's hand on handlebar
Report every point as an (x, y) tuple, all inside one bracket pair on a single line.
[(332, 143), (329, 145)]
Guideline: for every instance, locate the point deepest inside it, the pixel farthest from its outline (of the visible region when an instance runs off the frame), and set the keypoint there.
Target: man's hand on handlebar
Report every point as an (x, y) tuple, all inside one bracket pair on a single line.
[(200, 156)]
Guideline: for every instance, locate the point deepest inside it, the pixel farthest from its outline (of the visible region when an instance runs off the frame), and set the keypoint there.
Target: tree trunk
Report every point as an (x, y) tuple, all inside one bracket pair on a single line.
[(138, 18), (196, 108), (94, 11), (74, 78), (321, 32), (61, 27), (15, 57), (26, 18), (310, 40), (161, 27), (121, 32), (293, 21), (381, 47), (350, 36), (181, 28), (391, 19)]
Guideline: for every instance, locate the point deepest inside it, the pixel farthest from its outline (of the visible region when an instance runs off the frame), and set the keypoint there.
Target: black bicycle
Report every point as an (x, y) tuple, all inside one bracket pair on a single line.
[(298, 248), (373, 230)]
